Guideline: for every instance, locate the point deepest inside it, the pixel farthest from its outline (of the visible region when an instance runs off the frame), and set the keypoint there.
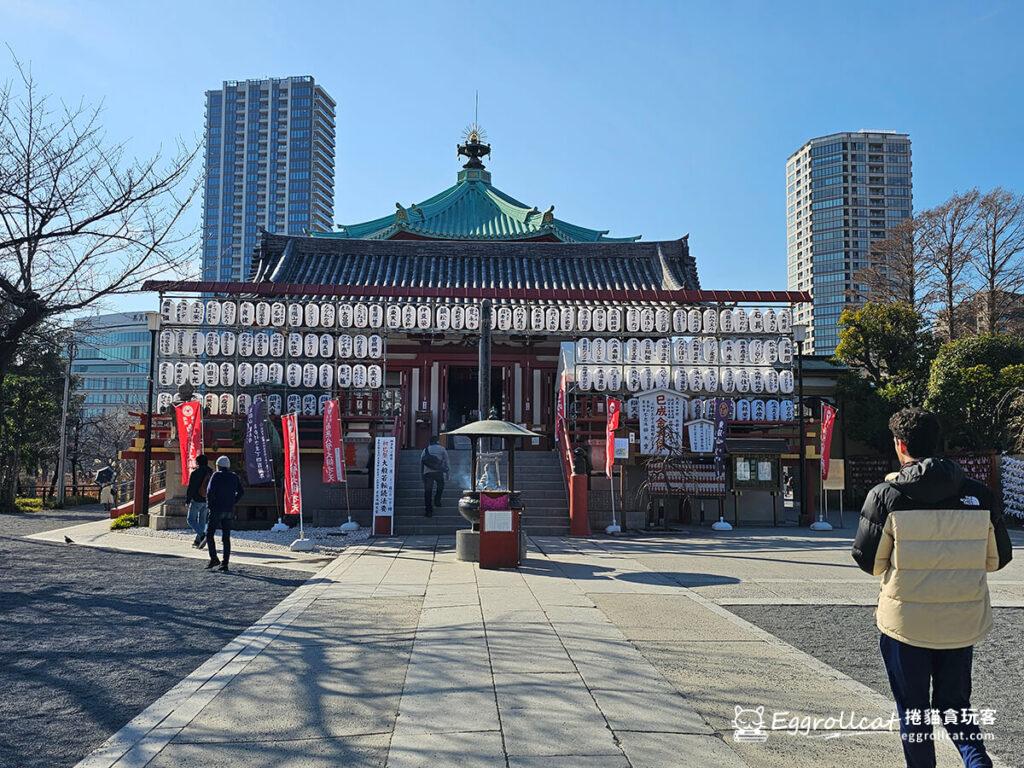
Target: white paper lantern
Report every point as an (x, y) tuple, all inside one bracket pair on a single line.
[(770, 351), (472, 317), (646, 378), (359, 346), (277, 344), (376, 312), (520, 318), (743, 410), (787, 410), (584, 319), (633, 382), (167, 310), (274, 405), (344, 376), (647, 351), (584, 379), (785, 350), (614, 378), (551, 317), (328, 315), (693, 318), (295, 315), (771, 380), (392, 316), (359, 376), (711, 379), (696, 408), (613, 350), (345, 316), (325, 376), (739, 320), (310, 344), (261, 345), (375, 346), (243, 403), (600, 379), (321, 404), (309, 375), (742, 380), (293, 375), (275, 373), (227, 343), (728, 380), (260, 374), (647, 320), (326, 345), (195, 374), (244, 374), (165, 374), (614, 320), (728, 351), (709, 349), (503, 318), (360, 315), (633, 320), (344, 346), (725, 320), (757, 381), (180, 373), (662, 377), (211, 375), (196, 312), (246, 314), (709, 319), (212, 343), (756, 321), (424, 317), (678, 350), (756, 351), (443, 317), (695, 380), (785, 320), (770, 322), (679, 321), (262, 313), (662, 351), (786, 381), (245, 344), (757, 410), (631, 351), (228, 312), (227, 404), (167, 343), (374, 376), (278, 314), (599, 350), (294, 344), (582, 351), (599, 319), (662, 320), (211, 404), (311, 315), (679, 381), (213, 312), (457, 317), (294, 403), (742, 351), (227, 374), (771, 410)]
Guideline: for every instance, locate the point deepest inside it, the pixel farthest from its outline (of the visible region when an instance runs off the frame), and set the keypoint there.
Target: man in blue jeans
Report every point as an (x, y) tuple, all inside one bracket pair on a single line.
[(933, 535), (195, 496)]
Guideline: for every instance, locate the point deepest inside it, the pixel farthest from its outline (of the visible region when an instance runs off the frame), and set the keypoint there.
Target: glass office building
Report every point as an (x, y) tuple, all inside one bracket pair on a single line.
[(843, 192), (269, 164), (111, 362)]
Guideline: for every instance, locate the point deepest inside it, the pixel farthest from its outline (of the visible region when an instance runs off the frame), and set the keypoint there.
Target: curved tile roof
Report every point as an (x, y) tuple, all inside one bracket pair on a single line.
[(473, 209), (454, 264)]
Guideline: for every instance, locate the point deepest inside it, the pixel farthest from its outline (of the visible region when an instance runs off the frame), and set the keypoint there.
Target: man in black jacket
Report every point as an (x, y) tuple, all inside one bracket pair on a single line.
[(195, 496), (932, 535), (223, 493)]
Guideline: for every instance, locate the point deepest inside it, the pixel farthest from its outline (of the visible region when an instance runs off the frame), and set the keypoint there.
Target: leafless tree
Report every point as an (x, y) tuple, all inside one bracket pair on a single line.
[(997, 254), (79, 221), (947, 238), (897, 269)]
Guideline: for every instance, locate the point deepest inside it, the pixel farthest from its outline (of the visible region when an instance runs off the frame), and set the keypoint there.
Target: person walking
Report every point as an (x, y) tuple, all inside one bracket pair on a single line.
[(195, 496), (933, 535), (223, 493), (434, 465)]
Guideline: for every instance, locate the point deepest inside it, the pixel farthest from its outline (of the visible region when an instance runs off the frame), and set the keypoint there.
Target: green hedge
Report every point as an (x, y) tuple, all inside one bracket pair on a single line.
[(124, 521)]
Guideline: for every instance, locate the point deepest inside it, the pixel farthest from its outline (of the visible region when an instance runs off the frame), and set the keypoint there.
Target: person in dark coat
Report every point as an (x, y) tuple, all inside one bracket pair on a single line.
[(195, 496), (223, 493)]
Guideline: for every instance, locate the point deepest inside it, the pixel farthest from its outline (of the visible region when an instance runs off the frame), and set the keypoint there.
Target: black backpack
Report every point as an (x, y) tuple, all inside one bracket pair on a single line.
[(431, 461)]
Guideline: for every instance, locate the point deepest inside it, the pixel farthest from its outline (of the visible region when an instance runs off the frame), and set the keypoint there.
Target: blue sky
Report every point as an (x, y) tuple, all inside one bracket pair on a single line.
[(652, 118)]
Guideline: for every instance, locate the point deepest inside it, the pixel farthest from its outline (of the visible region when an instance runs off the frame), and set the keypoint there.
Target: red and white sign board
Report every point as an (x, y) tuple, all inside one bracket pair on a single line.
[(384, 486), (189, 421), (334, 448), (292, 474)]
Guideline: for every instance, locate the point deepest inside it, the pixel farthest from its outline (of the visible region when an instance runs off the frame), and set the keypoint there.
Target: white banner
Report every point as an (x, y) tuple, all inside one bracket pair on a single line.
[(661, 422), (384, 485)]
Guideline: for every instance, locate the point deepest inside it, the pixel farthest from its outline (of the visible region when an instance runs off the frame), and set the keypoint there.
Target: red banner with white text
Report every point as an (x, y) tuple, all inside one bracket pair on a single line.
[(334, 448), (828, 421), (189, 422), (292, 478), (614, 410)]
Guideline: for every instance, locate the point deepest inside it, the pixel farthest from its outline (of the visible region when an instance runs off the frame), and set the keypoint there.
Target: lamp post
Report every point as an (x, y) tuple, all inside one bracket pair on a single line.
[(800, 336), (153, 324), (63, 450)]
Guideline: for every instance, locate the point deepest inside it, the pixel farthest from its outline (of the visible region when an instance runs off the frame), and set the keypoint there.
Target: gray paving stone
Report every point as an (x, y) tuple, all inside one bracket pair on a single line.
[(569, 733), (659, 710), (363, 751), (465, 749), (543, 694), (575, 761), (666, 750)]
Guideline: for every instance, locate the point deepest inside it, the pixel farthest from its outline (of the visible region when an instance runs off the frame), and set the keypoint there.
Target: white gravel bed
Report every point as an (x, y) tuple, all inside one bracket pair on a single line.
[(327, 540)]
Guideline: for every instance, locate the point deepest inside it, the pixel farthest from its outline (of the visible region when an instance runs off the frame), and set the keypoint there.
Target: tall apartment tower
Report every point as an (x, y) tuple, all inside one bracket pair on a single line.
[(269, 165), (843, 192)]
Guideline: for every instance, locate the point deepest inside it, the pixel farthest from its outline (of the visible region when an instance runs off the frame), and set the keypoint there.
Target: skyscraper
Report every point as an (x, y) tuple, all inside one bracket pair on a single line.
[(843, 192), (269, 164), (111, 362)]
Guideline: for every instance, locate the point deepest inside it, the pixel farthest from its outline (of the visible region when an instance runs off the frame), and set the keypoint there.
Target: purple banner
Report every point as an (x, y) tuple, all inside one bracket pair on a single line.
[(721, 418), (259, 468)]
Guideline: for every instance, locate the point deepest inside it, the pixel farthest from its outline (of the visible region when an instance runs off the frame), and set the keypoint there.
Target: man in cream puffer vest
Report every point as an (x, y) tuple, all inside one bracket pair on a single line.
[(933, 536)]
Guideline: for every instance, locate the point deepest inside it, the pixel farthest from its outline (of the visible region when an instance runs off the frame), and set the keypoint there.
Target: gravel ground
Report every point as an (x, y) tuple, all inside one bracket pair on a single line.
[(90, 637), (328, 541), (845, 637)]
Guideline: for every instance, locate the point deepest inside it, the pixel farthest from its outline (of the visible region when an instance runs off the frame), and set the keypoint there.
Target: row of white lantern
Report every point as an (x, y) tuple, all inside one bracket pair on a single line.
[(294, 375), (680, 350), (226, 404), (521, 317), (739, 409), (637, 378), (226, 343)]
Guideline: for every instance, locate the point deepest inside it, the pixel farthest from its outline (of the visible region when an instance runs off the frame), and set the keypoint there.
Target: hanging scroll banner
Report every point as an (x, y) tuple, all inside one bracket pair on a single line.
[(259, 468), (721, 411), (384, 486), (828, 421), (189, 421), (292, 476), (334, 450)]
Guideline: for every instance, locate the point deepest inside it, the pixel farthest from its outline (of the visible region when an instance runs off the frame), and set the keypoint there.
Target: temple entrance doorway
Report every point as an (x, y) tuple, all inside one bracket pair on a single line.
[(462, 394)]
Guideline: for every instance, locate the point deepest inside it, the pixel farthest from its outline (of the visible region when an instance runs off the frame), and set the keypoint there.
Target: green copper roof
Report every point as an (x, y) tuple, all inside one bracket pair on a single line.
[(472, 210)]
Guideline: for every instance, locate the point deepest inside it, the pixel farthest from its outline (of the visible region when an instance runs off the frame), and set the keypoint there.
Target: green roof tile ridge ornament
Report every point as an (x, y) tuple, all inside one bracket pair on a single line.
[(472, 209)]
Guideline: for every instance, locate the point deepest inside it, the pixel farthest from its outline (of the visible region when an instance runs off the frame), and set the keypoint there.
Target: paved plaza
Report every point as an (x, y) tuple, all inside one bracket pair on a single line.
[(602, 652)]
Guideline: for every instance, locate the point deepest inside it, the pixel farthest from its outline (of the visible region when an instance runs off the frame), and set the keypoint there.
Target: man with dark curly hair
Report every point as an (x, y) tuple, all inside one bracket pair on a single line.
[(933, 535)]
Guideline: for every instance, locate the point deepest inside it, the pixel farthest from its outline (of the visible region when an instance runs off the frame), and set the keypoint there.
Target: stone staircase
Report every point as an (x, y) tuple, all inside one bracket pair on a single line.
[(538, 480)]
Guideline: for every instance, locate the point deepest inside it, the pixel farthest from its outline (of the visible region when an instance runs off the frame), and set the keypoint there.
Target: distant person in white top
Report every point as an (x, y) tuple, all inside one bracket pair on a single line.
[(434, 463)]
